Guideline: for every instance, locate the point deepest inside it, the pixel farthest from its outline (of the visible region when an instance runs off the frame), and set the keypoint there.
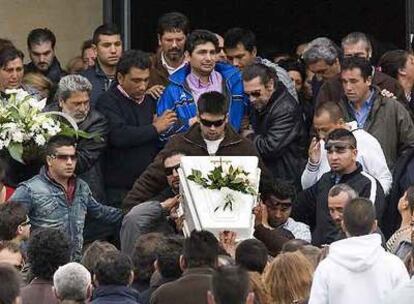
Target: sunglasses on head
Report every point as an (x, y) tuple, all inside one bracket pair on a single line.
[(210, 123), (64, 157), (337, 147), (170, 170)]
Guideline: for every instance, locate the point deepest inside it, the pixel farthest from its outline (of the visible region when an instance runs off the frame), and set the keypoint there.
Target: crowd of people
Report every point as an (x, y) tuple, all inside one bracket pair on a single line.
[(95, 219)]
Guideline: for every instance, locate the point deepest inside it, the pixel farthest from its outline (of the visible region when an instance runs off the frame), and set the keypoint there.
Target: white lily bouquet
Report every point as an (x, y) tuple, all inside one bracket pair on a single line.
[(24, 128)]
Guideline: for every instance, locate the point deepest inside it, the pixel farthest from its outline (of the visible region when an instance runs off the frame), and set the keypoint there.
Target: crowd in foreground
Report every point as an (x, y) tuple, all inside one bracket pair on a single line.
[(96, 220)]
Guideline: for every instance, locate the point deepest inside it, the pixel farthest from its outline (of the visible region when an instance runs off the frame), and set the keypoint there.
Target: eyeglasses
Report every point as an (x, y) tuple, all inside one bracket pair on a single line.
[(210, 123), (337, 147), (255, 94), (170, 170), (65, 157), (26, 222)]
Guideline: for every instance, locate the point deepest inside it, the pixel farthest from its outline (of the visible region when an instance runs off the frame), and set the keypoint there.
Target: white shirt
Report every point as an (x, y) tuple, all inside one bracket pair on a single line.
[(169, 68), (298, 229), (370, 156), (212, 145)]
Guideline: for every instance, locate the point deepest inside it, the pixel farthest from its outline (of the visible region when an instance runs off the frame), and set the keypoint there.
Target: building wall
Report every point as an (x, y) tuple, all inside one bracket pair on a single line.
[(72, 21)]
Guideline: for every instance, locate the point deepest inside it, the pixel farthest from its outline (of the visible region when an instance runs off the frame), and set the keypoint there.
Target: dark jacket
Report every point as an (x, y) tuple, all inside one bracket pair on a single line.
[(37, 292), (274, 239), (332, 89), (191, 143), (54, 73), (145, 297), (88, 166), (191, 288), (280, 136), (390, 123), (158, 73), (112, 294), (133, 139), (312, 204), (100, 82)]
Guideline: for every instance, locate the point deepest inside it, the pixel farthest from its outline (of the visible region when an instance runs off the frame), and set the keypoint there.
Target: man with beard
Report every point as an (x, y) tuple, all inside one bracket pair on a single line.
[(172, 30), (157, 214), (201, 74), (41, 45)]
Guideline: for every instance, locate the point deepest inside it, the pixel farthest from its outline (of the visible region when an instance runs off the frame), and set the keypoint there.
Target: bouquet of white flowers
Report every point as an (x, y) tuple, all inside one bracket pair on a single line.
[(24, 128)]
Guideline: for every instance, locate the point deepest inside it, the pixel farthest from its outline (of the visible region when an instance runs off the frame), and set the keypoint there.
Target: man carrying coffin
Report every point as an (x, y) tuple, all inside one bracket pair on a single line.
[(211, 135)]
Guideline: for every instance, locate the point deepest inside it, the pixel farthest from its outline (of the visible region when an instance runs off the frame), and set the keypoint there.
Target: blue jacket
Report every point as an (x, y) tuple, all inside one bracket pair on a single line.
[(48, 207), (112, 294), (177, 97)]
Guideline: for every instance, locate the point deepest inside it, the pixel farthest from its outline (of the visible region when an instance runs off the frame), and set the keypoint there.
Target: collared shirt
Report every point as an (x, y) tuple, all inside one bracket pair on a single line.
[(123, 92), (298, 229), (169, 68), (70, 190), (197, 87), (362, 114)]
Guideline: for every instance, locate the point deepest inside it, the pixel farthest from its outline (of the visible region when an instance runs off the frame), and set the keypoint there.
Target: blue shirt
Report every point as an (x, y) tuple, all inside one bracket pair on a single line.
[(362, 114)]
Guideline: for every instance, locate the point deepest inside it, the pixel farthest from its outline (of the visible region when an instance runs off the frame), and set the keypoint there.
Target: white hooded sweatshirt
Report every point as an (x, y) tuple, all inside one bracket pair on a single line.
[(357, 270)]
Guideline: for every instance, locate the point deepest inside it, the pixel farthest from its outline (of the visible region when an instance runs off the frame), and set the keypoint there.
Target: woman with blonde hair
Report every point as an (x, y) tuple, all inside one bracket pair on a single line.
[(289, 278)]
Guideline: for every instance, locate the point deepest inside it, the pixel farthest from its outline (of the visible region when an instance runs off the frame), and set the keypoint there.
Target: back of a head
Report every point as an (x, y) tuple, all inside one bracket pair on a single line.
[(94, 251), (289, 277), (200, 249), (11, 216), (294, 245), (168, 257), (230, 285), (359, 217), (212, 103), (39, 36), (321, 49), (343, 135), (114, 268), (312, 253), (107, 29), (252, 255), (393, 61), (145, 254), (172, 22), (198, 37), (72, 282), (47, 250), (9, 284), (332, 108), (237, 35)]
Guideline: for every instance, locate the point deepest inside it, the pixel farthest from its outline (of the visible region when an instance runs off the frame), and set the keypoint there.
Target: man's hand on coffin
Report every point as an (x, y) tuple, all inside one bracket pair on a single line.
[(227, 241), (170, 203), (178, 220)]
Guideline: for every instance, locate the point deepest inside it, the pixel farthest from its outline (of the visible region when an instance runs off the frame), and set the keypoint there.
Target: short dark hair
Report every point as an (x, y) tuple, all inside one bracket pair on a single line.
[(87, 44), (333, 108), (279, 188), (294, 245), (213, 103), (11, 216), (342, 134), (5, 43), (8, 54), (201, 249), (133, 59), (113, 268), (10, 286), (291, 64), (40, 35), (144, 255), (362, 64), (171, 153), (58, 141), (237, 35), (359, 216), (108, 29), (260, 70), (172, 22), (168, 257), (252, 255), (392, 61), (198, 37), (230, 285), (93, 252), (47, 250)]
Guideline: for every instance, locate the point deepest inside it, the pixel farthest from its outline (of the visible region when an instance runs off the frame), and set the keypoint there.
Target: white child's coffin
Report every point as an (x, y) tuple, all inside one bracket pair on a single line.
[(203, 208)]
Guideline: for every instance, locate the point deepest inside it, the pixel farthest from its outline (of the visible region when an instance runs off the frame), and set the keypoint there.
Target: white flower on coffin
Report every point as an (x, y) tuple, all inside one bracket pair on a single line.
[(12, 91), (40, 140), (39, 105), (17, 136)]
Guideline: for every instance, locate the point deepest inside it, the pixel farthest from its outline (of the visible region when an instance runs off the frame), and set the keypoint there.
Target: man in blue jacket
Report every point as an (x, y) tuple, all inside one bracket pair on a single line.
[(201, 74)]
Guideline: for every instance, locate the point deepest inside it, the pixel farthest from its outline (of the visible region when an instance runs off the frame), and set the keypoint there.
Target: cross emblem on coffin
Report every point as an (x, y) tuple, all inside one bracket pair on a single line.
[(203, 208)]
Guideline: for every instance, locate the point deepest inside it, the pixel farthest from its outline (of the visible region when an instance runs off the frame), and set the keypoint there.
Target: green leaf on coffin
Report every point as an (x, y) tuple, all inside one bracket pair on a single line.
[(16, 151)]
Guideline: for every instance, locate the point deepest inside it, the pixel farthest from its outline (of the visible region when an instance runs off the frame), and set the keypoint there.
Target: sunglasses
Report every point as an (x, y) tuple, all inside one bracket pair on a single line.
[(337, 147), (64, 157), (210, 123), (170, 170), (255, 94), (26, 222)]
